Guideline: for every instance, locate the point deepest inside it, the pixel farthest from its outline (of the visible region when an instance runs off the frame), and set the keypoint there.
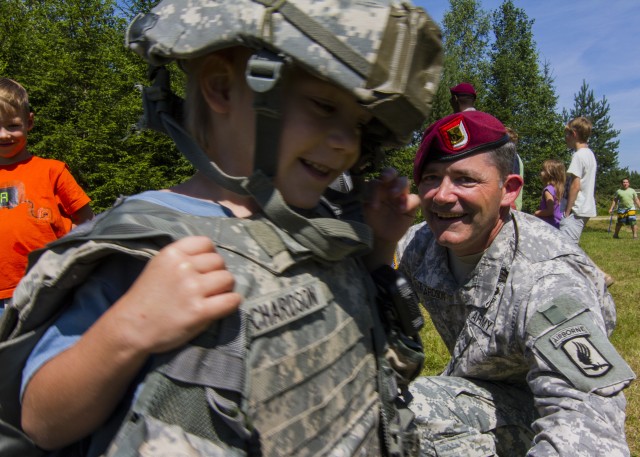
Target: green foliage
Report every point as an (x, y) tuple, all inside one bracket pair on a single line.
[(521, 95), (84, 87), (402, 160), (496, 52), (465, 35)]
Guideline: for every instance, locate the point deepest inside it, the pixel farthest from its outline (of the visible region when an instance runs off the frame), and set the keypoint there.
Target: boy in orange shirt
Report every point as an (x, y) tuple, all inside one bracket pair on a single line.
[(39, 199)]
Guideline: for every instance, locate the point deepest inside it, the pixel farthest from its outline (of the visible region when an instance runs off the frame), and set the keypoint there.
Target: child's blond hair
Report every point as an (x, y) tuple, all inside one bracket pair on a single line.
[(554, 173), (14, 99), (582, 127)]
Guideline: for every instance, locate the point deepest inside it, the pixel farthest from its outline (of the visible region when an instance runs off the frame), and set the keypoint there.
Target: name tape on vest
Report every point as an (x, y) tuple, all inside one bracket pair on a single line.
[(270, 312)]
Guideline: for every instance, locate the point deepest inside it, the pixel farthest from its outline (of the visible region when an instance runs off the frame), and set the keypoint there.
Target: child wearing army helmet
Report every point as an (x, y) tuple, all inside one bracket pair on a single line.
[(280, 102)]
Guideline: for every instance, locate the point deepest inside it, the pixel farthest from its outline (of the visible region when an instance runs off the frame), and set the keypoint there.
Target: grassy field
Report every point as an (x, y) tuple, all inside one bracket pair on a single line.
[(621, 259)]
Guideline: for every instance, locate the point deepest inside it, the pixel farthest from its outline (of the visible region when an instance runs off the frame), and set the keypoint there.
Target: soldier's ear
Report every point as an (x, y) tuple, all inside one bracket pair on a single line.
[(215, 78), (511, 189)]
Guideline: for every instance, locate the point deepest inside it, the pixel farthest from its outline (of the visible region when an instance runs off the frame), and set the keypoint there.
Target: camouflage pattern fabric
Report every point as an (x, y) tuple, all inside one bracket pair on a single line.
[(533, 316), (387, 53), (404, 242), (469, 417), (312, 330)]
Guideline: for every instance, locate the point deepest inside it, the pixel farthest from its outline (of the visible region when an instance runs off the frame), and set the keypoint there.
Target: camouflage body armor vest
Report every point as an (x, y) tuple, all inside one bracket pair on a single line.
[(295, 372)]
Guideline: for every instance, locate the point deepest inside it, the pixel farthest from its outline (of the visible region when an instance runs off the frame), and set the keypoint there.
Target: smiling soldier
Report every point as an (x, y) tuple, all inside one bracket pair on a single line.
[(524, 315)]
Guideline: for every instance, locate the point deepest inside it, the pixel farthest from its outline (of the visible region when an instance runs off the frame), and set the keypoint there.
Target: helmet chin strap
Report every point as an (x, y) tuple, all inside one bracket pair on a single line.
[(329, 239)]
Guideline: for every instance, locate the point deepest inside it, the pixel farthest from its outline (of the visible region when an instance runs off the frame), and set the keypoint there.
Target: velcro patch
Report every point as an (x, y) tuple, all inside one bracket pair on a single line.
[(579, 350), (269, 312)]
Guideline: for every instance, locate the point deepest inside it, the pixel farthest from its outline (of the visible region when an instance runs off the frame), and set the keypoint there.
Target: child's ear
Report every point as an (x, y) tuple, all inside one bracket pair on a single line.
[(30, 122), (215, 79)]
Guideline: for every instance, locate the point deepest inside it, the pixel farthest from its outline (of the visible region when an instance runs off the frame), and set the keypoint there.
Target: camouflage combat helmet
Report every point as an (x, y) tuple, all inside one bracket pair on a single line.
[(387, 54)]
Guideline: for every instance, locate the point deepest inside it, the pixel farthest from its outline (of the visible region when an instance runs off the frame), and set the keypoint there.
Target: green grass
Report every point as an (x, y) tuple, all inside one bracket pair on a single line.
[(621, 259)]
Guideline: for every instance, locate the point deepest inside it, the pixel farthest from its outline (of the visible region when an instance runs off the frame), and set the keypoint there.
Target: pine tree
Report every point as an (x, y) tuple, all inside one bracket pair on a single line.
[(497, 54), (465, 35), (521, 95), (85, 89)]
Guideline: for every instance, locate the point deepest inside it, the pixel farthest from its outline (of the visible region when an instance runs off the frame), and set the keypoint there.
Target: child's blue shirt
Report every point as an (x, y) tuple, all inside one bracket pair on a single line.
[(103, 288)]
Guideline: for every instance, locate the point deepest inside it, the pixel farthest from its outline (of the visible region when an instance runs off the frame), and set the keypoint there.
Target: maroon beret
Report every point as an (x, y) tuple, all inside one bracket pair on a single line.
[(458, 135), (463, 88)]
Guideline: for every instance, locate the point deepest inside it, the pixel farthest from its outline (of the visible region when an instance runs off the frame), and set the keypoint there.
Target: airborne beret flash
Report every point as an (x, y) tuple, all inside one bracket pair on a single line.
[(458, 135)]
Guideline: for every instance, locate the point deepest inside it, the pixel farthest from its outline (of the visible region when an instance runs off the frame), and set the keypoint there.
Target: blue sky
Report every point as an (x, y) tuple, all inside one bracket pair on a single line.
[(593, 40)]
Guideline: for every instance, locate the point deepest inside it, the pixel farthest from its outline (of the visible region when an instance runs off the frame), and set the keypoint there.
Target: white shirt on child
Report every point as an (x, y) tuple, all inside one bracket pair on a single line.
[(583, 165)]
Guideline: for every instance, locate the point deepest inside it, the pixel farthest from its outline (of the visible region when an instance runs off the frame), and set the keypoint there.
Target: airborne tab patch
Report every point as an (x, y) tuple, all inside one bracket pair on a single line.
[(561, 336)]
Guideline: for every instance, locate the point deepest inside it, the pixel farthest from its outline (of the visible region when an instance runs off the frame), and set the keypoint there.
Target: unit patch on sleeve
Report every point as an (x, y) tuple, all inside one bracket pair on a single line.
[(269, 312), (575, 342), (579, 350)]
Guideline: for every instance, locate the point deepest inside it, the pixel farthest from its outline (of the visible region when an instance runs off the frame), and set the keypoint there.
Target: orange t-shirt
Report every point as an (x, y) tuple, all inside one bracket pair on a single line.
[(37, 198)]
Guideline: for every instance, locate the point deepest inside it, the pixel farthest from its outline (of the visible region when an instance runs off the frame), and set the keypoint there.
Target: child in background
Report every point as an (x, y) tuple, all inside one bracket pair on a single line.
[(553, 176), (39, 199), (581, 175)]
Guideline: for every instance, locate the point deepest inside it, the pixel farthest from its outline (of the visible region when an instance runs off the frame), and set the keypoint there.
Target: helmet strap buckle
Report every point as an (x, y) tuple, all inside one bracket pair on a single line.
[(264, 75), (264, 69)]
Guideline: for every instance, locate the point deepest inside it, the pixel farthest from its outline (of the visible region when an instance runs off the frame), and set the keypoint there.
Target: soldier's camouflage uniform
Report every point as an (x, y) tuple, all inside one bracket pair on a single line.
[(532, 370)]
